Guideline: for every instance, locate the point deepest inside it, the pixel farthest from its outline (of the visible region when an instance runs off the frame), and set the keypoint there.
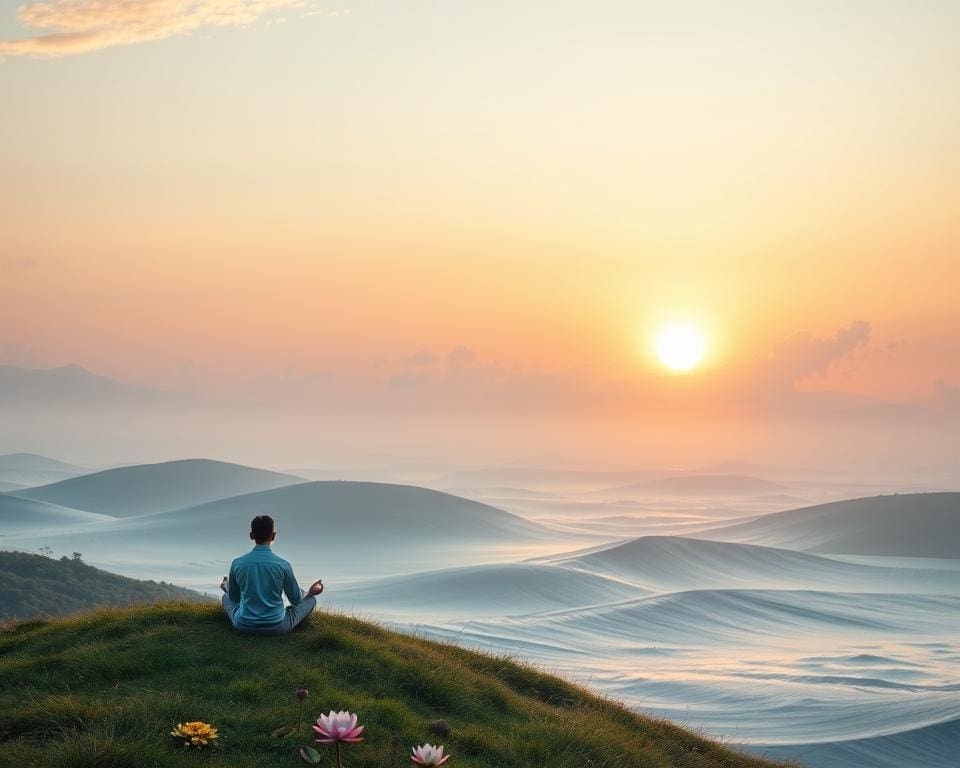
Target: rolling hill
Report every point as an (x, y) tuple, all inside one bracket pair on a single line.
[(105, 689), (624, 572), (353, 528), (507, 589), (147, 488), (731, 617), (23, 470), (670, 563), (327, 516), (353, 510), (18, 515), (33, 585), (907, 525)]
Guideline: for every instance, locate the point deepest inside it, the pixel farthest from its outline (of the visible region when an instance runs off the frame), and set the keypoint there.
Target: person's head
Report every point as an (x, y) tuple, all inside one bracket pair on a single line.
[(262, 530)]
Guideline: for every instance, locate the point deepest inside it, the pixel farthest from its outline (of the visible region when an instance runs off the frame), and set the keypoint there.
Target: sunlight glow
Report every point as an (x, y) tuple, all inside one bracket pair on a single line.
[(680, 347)]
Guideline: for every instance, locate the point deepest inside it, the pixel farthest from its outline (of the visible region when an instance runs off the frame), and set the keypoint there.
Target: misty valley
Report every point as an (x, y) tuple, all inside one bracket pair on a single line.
[(791, 613)]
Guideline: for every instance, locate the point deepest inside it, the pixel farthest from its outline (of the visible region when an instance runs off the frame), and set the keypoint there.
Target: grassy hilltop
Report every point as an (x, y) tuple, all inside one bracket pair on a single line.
[(102, 690)]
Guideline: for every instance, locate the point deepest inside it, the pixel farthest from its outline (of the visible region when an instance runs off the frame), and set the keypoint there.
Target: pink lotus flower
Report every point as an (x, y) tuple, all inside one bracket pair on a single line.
[(337, 727), (427, 754)]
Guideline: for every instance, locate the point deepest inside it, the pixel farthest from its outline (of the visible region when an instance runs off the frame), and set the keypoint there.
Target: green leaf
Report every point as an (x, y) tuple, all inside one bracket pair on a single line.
[(310, 755)]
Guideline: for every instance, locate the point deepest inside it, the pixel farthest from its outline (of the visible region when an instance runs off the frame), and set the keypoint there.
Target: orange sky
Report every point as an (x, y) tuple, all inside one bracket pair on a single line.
[(225, 211)]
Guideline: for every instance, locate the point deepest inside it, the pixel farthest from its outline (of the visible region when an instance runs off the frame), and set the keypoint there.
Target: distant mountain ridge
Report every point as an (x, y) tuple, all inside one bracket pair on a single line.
[(35, 461), (69, 385)]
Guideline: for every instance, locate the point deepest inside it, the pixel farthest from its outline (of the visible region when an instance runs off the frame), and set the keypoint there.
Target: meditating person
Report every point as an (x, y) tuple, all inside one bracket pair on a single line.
[(253, 592)]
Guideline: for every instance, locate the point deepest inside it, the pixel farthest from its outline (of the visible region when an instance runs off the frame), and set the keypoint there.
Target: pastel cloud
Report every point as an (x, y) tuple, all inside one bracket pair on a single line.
[(774, 383), (68, 27), (804, 355)]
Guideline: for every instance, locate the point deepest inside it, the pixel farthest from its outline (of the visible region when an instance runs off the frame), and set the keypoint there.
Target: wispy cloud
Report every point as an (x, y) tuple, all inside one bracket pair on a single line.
[(79, 26), (804, 355)]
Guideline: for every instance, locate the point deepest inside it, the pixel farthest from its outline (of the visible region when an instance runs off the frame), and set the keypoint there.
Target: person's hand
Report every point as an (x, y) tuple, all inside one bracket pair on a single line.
[(316, 588)]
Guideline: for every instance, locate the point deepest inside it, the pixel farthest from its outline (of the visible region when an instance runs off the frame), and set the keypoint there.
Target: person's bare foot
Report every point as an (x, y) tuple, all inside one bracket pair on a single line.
[(223, 584)]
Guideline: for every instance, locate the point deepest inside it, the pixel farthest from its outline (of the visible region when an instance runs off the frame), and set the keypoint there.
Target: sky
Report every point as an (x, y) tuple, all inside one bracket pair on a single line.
[(435, 228)]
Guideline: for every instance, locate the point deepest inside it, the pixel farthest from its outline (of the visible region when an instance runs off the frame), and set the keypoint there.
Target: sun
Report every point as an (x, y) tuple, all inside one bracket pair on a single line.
[(680, 347)]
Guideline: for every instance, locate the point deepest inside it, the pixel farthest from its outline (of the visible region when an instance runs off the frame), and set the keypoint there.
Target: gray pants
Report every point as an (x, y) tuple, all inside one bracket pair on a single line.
[(293, 616)]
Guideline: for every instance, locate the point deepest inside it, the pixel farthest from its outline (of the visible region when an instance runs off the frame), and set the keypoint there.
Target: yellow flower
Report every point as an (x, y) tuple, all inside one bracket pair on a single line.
[(195, 732)]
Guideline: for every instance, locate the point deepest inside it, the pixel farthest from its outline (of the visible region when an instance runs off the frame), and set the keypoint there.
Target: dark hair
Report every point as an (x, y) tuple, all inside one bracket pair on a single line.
[(261, 528)]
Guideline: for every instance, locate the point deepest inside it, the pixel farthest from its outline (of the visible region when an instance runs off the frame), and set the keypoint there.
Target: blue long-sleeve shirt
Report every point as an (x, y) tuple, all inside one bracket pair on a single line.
[(257, 582)]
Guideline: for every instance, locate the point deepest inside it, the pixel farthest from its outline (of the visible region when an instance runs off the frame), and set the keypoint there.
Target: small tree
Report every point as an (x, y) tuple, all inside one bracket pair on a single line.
[(45, 551), (77, 556)]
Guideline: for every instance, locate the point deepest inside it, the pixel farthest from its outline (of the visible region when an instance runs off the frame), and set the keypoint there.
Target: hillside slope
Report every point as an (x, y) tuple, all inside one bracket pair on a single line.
[(343, 508), (146, 488), (104, 689), (905, 525), (32, 585)]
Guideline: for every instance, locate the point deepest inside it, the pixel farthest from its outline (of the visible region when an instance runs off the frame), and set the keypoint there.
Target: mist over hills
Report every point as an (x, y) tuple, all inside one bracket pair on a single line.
[(627, 571), (936, 742), (147, 488), (34, 461), (701, 486), (541, 477), (69, 385), (507, 493), (21, 470), (357, 511), (907, 525), (354, 527), (18, 515), (485, 590), (669, 563), (762, 640), (730, 616)]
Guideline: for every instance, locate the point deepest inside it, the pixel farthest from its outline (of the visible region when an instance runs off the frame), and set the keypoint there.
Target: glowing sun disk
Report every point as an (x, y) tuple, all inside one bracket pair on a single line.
[(680, 347)]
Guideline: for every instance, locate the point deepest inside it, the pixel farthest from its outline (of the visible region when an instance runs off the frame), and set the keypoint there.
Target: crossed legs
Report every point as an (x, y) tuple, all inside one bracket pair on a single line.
[(293, 615)]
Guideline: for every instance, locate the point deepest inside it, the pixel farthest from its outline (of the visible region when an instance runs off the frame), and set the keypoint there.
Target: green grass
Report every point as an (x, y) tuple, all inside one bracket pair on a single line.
[(102, 690), (33, 585)]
